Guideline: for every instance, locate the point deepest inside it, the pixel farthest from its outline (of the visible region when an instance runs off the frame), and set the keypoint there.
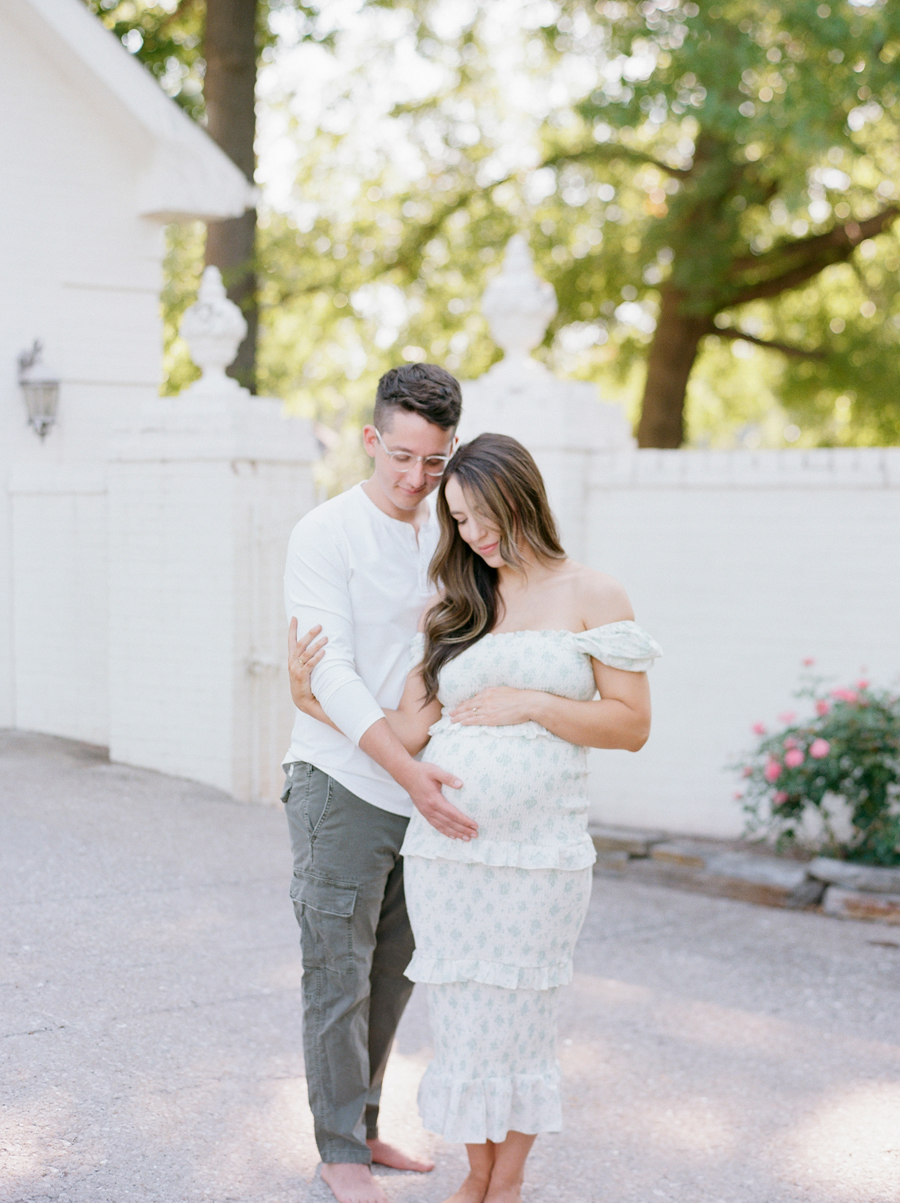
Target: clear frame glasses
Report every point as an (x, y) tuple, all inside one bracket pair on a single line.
[(402, 461)]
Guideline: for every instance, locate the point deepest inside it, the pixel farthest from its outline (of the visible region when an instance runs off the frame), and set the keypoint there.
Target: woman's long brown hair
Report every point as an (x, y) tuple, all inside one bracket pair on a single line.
[(502, 482)]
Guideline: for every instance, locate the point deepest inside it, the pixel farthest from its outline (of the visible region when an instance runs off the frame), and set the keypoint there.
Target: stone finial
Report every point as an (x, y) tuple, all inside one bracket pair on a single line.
[(213, 328), (518, 305)]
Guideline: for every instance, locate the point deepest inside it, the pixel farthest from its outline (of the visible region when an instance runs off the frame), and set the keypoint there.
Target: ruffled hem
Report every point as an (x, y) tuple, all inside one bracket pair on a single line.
[(431, 845), (438, 971), (473, 1110)]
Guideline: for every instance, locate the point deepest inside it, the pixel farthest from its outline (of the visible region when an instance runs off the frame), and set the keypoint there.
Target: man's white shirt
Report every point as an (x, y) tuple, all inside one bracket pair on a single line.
[(364, 576)]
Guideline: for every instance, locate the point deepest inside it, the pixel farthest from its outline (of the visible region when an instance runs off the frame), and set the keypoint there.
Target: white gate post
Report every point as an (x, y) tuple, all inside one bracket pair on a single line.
[(204, 489), (561, 422)]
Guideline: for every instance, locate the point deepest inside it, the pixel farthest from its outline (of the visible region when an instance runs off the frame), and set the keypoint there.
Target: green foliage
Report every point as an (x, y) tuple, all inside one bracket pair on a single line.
[(182, 271), (849, 750), (639, 146), (166, 39), (761, 129)]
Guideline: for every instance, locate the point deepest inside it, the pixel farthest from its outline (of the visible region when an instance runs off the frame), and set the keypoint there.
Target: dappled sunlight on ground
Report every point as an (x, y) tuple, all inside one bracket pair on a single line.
[(849, 1147), (712, 1052)]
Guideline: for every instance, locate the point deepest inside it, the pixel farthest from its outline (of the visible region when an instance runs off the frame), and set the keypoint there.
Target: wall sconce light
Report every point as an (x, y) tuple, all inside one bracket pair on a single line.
[(41, 396)]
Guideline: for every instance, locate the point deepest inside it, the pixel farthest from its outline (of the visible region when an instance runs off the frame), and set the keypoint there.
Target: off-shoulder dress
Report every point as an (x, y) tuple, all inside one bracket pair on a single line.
[(495, 920)]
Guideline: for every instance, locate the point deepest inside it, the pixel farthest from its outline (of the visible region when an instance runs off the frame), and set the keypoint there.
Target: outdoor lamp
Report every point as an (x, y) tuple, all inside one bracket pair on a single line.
[(41, 396)]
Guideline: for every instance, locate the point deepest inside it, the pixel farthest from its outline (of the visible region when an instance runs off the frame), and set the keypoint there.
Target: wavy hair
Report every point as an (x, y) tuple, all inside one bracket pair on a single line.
[(502, 483)]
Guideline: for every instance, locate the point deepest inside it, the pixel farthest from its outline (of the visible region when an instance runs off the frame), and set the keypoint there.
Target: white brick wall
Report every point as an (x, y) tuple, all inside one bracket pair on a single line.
[(741, 564), (60, 604), (198, 531)]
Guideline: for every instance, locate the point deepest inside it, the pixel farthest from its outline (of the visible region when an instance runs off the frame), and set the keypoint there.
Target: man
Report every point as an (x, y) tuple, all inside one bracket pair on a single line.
[(358, 566)]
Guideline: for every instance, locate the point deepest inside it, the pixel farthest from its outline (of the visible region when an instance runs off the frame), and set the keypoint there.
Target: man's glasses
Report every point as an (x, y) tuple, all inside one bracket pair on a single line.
[(402, 461)]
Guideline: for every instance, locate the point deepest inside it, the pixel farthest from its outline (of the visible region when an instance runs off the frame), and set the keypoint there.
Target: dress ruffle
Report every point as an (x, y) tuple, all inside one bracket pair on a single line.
[(424, 841), (437, 971), (474, 1110), (444, 726), (622, 645)]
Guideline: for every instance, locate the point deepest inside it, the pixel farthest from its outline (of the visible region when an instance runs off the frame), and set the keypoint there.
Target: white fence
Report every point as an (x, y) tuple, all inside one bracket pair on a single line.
[(742, 564)]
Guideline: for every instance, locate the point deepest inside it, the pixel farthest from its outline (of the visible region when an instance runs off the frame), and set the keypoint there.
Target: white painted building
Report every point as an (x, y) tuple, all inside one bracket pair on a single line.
[(100, 627)]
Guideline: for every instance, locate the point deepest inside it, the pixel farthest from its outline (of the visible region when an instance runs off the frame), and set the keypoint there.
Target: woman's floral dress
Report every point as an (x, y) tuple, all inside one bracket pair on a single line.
[(496, 919)]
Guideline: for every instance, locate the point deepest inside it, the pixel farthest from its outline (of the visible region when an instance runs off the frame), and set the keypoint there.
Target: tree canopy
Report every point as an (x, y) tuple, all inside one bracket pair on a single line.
[(711, 190)]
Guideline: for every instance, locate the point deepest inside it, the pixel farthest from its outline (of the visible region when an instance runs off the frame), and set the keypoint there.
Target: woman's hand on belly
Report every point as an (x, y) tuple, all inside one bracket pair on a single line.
[(501, 706)]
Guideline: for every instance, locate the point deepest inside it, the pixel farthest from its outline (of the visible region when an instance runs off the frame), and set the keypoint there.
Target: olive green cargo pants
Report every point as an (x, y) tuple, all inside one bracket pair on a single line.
[(356, 943)]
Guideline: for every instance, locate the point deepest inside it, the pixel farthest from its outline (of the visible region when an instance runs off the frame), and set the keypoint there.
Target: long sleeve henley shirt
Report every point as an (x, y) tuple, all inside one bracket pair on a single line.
[(364, 576)]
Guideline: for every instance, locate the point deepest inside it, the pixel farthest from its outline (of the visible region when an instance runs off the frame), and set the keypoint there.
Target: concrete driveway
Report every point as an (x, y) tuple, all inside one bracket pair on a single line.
[(713, 1052)]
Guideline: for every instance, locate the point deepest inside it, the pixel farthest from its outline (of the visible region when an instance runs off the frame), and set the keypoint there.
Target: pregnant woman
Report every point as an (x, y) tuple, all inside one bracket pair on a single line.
[(512, 654)]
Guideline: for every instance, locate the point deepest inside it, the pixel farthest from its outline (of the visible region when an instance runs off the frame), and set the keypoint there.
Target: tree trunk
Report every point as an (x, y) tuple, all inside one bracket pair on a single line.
[(672, 355), (229, 90)]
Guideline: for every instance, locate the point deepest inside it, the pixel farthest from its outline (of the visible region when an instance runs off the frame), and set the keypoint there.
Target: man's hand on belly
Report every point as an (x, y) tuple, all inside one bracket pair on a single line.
[(429, 801), (422, 781)]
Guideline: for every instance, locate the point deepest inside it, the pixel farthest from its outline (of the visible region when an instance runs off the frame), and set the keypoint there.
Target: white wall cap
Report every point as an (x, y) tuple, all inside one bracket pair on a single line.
[(188, 175), (229, 428), (813, 468)]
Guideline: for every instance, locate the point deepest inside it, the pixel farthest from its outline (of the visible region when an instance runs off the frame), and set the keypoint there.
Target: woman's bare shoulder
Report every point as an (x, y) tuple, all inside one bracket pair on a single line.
[(600, 597)]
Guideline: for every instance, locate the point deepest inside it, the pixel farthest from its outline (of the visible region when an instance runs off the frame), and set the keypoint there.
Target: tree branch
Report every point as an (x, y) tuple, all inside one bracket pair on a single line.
[(771, 344), (606, 151), (810, 255)]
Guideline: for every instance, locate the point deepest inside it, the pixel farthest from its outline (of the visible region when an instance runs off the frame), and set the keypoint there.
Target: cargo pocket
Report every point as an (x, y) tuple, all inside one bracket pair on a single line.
[(324, 911)]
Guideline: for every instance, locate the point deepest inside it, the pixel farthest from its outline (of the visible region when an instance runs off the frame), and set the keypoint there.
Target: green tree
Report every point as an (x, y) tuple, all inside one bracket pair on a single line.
[(711, 193), (723, 178), (764, 139), (206, 53)]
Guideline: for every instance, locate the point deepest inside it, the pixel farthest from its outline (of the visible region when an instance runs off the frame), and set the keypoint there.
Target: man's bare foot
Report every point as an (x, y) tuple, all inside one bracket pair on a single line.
[(384, 1154), (352, 1182), (473, 1190)]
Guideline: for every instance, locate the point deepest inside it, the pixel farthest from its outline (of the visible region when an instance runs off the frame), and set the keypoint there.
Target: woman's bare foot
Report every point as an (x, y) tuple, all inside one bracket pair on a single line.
[(504, 1194), (473, 1190), (352, 1182), (384, 1154)]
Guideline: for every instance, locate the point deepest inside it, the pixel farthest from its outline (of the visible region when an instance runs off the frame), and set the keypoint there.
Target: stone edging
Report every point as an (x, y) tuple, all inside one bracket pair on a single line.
[(726, 869)]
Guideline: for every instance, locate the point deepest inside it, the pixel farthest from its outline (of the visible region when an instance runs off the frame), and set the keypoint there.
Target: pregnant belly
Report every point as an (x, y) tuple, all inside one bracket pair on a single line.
[(515, 788)]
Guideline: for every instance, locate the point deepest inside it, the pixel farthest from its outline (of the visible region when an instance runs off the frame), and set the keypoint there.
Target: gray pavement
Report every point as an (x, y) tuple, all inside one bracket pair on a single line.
[(713, 1052)]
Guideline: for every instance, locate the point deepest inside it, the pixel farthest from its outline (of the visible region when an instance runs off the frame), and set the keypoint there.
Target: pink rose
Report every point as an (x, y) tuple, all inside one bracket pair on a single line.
[(780, 797), (844, 695), (862, 684), (794, 758), (738, 794), (772, 771), (819, 748), (788, 717), (790, 742), (808, 662), (758, 728), (747, 771), (822, 707)]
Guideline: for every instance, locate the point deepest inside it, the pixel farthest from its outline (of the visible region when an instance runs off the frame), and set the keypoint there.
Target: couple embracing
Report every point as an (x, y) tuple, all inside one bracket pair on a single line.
[(464, 627)]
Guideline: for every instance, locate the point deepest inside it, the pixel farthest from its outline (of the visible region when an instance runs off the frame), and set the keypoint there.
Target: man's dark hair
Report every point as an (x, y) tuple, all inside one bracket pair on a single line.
[(419, 388)]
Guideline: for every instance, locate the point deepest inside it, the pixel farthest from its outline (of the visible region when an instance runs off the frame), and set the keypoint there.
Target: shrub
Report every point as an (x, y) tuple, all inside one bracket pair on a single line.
[(850, 747)]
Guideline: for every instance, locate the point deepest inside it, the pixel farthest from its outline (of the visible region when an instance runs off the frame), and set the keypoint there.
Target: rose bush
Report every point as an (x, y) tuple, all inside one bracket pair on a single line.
[(849, 748)]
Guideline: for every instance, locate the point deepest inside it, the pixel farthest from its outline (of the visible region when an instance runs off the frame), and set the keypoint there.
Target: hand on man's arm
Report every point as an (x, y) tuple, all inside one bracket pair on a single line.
[(422, 781), (303, 656)]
